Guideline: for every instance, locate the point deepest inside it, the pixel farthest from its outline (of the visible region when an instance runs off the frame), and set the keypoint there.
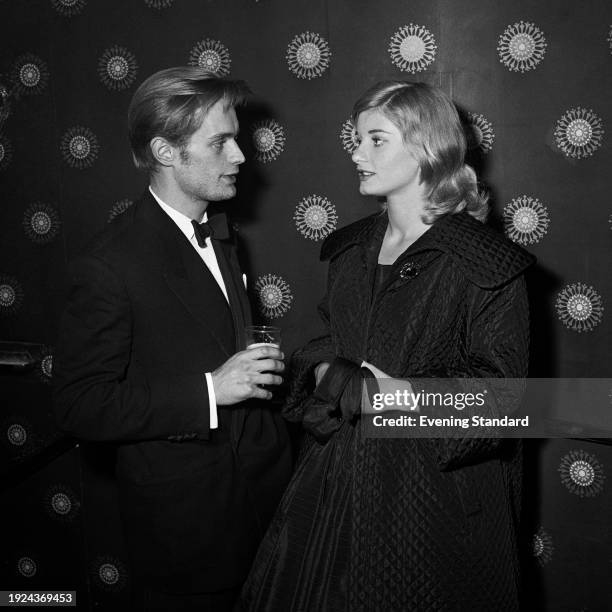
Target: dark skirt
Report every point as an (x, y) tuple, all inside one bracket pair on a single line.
[(375, 525), (302, 563)]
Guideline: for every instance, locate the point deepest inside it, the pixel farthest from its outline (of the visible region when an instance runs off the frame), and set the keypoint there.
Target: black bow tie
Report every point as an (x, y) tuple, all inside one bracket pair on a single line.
[(215, 228)]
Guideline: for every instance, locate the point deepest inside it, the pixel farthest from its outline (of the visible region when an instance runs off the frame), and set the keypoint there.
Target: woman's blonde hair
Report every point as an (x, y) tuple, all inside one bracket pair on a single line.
[(429, 122)]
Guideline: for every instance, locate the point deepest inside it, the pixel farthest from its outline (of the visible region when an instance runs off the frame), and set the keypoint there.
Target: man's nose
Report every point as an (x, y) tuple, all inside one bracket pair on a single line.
[(236, 155)]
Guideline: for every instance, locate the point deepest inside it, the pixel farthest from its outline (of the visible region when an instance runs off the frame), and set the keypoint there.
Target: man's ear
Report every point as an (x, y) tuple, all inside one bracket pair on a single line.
[(163, 151)]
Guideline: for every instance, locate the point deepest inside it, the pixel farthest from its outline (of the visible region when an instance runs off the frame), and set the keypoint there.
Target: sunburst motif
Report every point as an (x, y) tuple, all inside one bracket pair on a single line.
[(16, 434), (348, 137), (542, 547), (609, 39), (211, 55), (6, 152), (315, 217), (41, 223), (159, 4), (526, 220), (579, 307), (27, 567), (11, 295), (61, 503), (582, 473), (69, 8), (579, 132), (79, 147), (480, 133), (521, 47), (268, 139), (308, 55), (109, 573), (18, 437), (412, 48), (45, 370), (118, 208), (30, 74), (117, 68), (274, 295)]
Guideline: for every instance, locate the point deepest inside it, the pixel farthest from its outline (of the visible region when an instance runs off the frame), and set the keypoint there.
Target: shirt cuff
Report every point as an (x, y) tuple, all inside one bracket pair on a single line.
[(212, 401)]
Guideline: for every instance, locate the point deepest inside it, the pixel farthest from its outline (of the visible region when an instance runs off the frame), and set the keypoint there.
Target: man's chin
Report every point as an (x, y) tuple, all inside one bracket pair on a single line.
[(226, 194)]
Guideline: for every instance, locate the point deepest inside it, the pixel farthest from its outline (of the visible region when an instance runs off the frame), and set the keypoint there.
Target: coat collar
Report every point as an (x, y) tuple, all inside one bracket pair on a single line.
[(488, 259)]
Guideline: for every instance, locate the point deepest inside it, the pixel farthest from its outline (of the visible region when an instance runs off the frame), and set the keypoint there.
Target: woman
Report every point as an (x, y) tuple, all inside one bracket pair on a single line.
[(421, 290)]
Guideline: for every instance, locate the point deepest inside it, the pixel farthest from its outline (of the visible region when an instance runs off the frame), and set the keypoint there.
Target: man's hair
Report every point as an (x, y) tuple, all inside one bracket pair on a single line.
[(172, 103), (430, 124)]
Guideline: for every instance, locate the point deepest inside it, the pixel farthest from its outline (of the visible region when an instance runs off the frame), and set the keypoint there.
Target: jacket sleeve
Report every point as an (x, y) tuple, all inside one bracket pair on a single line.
[(305, 359), (498, 348), (100, 391)]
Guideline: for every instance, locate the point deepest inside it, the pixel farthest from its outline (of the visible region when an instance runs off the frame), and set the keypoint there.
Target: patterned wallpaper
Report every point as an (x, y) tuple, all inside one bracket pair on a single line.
[(533, 80)]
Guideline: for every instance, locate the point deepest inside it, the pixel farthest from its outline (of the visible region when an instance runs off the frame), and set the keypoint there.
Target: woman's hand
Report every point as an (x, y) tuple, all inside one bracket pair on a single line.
[(377, 373), (320, 370)]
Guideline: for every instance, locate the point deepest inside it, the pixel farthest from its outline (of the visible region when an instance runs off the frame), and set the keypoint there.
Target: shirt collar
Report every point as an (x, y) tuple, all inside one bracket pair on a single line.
[(182, 221)]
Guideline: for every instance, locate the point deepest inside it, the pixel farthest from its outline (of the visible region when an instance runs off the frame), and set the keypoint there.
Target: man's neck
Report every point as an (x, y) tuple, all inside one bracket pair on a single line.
[(176, 199)]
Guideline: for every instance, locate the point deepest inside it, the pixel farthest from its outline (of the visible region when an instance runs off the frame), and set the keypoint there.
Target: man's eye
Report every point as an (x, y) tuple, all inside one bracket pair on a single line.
[(217, 146)]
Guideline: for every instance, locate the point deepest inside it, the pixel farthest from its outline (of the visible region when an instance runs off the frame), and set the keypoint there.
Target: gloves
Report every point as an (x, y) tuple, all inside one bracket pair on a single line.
[(336, 399)]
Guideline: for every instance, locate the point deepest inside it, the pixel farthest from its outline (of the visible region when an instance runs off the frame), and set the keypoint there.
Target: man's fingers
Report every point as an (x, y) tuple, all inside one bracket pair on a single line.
[(261, 352), (269, 365), (260, 393), (269, 379)]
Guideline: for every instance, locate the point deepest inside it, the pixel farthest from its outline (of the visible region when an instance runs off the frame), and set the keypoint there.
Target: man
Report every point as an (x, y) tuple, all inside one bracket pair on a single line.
[(150, 356)]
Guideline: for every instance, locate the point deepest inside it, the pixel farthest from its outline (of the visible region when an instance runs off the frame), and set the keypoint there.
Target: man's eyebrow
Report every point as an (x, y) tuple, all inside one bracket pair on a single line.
[(224, 135)]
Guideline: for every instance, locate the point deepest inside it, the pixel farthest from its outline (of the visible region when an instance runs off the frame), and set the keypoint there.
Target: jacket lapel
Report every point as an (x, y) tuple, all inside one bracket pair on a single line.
[(242, 317), (186, 274)]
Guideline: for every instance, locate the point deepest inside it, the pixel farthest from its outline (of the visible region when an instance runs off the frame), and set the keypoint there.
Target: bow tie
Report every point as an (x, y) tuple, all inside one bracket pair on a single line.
[(215, 228)]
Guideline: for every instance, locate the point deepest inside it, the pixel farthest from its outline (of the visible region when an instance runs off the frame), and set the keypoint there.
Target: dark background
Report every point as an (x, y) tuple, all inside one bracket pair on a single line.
[(60, 522)]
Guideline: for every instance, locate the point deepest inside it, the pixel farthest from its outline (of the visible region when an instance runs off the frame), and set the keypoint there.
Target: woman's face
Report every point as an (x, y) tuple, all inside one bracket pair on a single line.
[(385, 164)]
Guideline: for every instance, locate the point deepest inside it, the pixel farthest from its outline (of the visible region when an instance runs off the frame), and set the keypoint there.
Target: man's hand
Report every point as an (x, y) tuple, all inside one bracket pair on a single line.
[(239, 377), (320, 370)]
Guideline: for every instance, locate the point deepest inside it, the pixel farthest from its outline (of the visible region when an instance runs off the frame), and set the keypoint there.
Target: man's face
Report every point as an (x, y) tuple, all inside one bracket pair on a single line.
[(209, 162)]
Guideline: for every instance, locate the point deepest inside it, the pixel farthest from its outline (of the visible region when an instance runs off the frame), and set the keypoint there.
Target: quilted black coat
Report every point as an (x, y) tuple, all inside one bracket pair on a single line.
[(406, 524)]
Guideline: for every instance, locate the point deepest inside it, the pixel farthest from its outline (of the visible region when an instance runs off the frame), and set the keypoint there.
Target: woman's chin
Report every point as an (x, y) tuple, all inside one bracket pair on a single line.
[(366, 191)]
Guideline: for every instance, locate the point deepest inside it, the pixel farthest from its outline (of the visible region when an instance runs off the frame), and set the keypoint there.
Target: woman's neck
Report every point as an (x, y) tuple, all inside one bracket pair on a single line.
[(406, 219)]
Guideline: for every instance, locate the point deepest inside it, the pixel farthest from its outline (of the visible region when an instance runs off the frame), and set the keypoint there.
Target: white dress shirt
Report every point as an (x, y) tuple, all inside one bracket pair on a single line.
[(210, 259)]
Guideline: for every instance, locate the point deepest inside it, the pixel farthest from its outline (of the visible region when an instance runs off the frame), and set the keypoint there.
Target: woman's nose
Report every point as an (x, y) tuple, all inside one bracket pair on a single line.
[(357, 154)]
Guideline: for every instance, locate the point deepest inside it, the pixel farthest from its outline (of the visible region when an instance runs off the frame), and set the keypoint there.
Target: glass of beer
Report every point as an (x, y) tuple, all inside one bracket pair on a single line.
[(261, 335)]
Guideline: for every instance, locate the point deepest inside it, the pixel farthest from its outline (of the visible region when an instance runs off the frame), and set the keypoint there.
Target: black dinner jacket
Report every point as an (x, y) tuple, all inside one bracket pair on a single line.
[(145, 320)]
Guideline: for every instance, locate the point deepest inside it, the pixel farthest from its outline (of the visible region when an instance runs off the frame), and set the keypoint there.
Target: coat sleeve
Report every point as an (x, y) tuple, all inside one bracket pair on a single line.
[(498, 348), (305, 359), (100, 391)]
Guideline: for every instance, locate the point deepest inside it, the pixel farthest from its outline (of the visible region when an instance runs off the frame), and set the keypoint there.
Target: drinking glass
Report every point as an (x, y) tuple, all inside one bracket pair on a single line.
[(260, 335)]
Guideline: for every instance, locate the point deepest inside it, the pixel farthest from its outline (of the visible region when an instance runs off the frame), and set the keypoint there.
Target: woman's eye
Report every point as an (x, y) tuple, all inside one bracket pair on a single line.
[(377, 141)]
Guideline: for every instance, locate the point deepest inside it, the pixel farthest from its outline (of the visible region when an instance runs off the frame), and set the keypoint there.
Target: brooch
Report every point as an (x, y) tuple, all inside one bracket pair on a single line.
[(409, 270)]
